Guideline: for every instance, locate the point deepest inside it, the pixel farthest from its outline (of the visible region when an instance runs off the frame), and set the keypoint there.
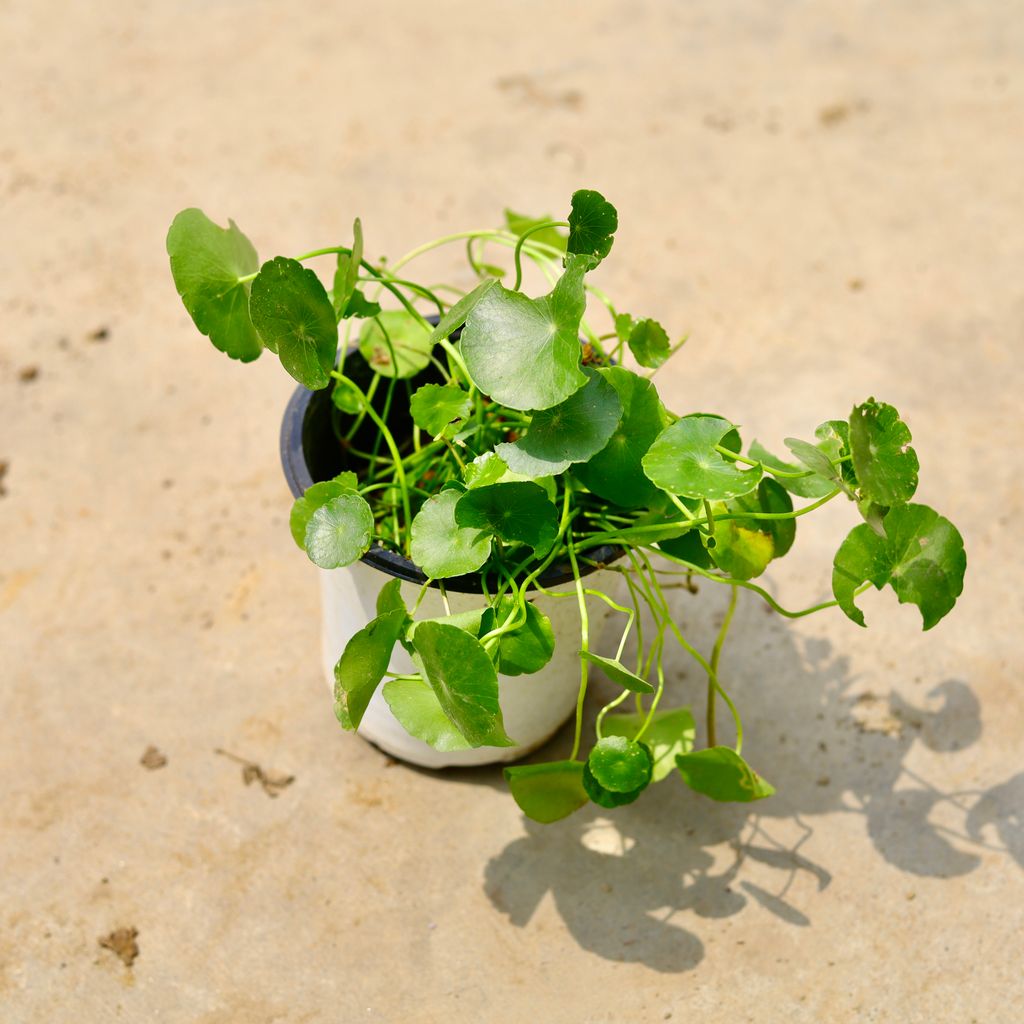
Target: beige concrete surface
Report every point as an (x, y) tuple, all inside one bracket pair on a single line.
[(828, 197)]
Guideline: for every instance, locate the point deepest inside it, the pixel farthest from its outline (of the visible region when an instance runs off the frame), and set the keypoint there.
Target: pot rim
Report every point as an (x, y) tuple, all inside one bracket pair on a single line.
[(298, 476)]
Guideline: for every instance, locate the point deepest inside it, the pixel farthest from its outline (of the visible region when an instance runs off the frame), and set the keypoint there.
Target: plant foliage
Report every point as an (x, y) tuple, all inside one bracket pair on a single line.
[(532, 439)]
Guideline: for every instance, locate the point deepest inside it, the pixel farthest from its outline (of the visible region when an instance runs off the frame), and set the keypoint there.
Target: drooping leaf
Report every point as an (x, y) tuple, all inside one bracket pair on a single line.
[(517, 513), (346, 273), (395, 344), (885, 464), (820, 463), (620, 765), (572, 431), (683, 460), (442, 548), (419, 712), (316, 495), (339, 532), (295, 318), (519, 224), (921, 556), (525, 353), (810, 486), (592, 225), (525, 649), (346, 397), (742, 552), (615, 473), (744, 547), (648, 341), (362, 665), (689, 547), (464, 680), (389, 598), (455, 317), (547, 792), (206, 263), (720, 773), (618, 673), (434, 406), (834, 439), (670, 733)]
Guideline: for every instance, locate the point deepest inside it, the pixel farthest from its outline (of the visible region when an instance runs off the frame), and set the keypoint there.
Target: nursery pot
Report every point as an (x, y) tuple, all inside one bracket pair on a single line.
[(533, 706)]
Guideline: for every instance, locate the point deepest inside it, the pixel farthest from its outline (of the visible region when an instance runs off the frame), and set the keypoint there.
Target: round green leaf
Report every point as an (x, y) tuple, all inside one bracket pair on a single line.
[(295, 318), (618, 673), (620, 765), (434, 406), (206, 263), (464, 681), (547, 792), (526, 649), (615, 473), (592, 224), (669, 733), (648, 341), (572, 431), (440, 547), (317, 495), (419, 712), (682, 460), (720, 773), (921, 557), (885, 464), (606, 797), (525, 353), (339, 532), (396, 344), (517, 513)]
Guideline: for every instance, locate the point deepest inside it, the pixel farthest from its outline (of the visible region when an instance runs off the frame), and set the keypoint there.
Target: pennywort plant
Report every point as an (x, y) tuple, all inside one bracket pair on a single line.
[(535, 438)]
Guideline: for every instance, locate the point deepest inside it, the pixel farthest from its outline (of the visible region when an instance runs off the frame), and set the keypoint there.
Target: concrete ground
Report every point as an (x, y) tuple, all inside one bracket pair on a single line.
[(827, 197)]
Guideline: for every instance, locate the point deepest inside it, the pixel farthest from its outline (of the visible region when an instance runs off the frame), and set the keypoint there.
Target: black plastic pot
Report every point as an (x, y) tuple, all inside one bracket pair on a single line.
[(310, 453)]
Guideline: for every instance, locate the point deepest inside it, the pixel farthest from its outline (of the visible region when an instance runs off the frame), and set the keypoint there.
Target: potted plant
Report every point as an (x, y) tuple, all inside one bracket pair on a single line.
[(485, 482)]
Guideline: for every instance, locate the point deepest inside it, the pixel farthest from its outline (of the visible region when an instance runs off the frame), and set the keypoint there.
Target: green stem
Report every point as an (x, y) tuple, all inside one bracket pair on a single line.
[(716, 654), (517, 254)]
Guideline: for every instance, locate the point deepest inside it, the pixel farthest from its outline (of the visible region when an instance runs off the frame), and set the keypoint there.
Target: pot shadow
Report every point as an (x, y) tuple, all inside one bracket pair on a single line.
[(626, 882)]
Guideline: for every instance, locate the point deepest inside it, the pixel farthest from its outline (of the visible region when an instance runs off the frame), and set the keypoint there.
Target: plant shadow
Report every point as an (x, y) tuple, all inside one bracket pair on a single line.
[(627, 882)]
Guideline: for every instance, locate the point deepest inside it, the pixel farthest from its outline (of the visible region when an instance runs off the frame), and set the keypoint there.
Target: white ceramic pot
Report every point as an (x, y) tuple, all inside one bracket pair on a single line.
[(533, 706)]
